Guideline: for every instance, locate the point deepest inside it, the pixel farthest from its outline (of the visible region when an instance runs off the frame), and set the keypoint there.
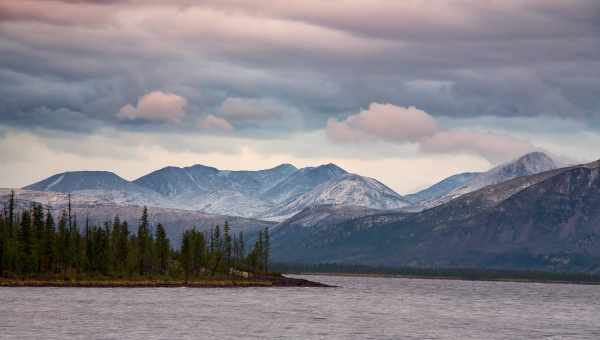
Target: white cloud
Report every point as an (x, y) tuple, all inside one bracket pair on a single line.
[(157, 106)]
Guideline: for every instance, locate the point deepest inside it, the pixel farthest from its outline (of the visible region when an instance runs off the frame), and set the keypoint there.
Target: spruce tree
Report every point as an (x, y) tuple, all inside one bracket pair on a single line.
[(48, 247), (75, 245), (122, 247), (143, 243), (186, 254), (89, 246), (25, 244), (37, 236), (266, 250), (163, 248), (242, 245), (11, 214), (62, 242), (227, 244)]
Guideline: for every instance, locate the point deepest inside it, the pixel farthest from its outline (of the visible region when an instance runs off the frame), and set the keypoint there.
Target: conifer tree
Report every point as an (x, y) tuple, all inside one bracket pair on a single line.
[(89, 247), (143, 238), (242, 245), (162, 249), (62, 242), (122, 246), (266, 249), (11, 214), (75, 246), (37, 236), (25, 246), (217, 236), (227, 244), (186, 254), (48, 247)]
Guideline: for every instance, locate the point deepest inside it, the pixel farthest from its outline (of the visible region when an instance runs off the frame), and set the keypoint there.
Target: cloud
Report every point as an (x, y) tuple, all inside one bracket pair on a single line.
[(270, 68), (88, 13), (396, 124), (215, 123), (251, 109), (494, 147), (386, 122), (157, 106)]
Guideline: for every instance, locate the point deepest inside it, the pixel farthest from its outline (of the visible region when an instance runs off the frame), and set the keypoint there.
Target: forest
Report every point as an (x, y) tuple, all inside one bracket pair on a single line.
[(36, 244)]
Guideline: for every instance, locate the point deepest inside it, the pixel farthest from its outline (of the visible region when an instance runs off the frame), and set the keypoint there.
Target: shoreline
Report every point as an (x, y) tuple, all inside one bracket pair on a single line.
[(453, 278), (207, 283)]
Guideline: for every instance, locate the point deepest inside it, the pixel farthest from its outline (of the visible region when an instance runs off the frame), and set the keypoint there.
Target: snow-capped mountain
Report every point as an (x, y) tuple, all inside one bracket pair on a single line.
[(302, 181), (85, 180), (349, 189), (441, 188), (546, 221), (200, 179), (274, 193), (529, 164)]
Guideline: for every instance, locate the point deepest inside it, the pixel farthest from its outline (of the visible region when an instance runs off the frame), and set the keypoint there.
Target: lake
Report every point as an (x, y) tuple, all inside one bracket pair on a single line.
[(361, 308)]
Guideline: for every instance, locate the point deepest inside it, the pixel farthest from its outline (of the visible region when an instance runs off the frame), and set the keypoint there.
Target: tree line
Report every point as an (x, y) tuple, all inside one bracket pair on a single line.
[(33, 243)]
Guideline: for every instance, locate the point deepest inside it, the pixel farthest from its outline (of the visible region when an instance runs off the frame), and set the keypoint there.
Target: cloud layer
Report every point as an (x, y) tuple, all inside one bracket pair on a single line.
[(489, 78)]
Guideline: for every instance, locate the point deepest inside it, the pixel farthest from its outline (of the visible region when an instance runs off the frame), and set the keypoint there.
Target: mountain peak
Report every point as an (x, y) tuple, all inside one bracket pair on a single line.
[(536, 157), (284, 166), (82, 180), (202, 168), (528, 164), (331, 167)]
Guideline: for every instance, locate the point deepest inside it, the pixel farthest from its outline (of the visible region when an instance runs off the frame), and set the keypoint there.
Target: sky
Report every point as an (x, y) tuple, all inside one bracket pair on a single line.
[(408, 92)]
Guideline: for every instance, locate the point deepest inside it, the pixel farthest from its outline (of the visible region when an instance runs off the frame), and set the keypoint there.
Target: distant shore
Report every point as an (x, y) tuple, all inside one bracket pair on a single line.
[(452, 277), (274, 281)]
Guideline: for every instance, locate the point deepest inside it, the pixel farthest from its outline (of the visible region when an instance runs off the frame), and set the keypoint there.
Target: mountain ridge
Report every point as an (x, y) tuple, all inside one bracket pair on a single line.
[(545, 221), (247, 193)]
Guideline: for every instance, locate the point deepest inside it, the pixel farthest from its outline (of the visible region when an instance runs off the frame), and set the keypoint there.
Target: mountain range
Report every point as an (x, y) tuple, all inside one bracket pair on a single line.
[(272, 194), (547, 221), (521, 214)]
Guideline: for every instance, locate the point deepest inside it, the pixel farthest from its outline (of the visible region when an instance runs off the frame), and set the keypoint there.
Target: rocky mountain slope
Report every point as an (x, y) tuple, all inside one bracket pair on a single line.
[(528, 164), (200, 179), (85, 180), (441, 188), (350, 189), (549, 221), (302, 181)]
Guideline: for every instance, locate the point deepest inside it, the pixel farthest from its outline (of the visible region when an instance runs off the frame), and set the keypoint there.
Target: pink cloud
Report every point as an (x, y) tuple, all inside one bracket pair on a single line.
[(398, 124), (80, 13), (385, 122), (494, 147), (157, 106), (212, 122)]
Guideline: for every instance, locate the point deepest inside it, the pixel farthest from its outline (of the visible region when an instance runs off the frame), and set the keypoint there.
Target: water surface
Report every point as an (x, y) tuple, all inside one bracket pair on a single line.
[(361, 308)]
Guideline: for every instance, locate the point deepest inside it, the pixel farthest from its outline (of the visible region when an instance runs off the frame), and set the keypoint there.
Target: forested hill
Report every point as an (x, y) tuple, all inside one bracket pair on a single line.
[(35, 242)]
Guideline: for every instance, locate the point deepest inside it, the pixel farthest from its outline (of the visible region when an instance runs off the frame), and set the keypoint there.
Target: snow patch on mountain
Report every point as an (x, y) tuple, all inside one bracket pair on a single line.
[(349, 189), (529, 164)]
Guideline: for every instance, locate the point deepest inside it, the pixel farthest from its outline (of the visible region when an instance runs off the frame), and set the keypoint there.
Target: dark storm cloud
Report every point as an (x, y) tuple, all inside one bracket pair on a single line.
[(73, 65)]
